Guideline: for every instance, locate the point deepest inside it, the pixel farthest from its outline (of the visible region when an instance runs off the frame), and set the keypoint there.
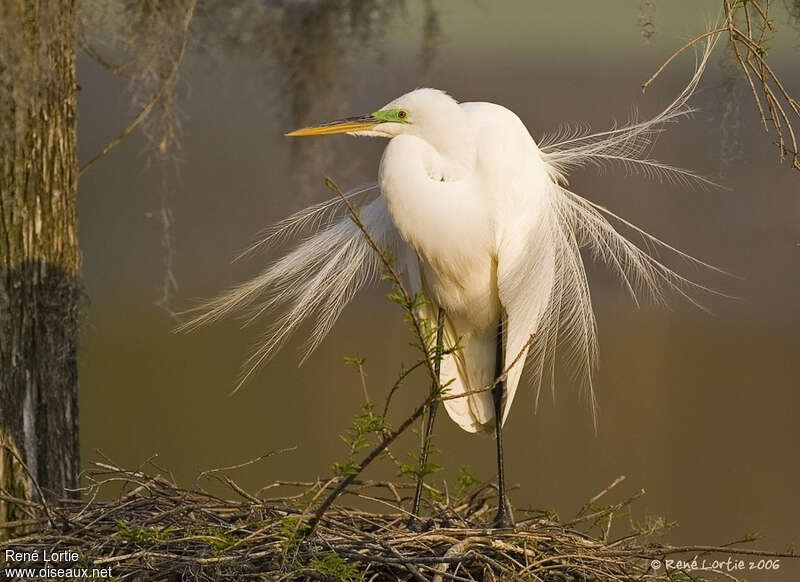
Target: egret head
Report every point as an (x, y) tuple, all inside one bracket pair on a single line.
[(421, 112)]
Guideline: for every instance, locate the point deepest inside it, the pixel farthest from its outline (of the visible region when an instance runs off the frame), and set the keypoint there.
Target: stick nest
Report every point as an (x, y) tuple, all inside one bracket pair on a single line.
[(153, 529)]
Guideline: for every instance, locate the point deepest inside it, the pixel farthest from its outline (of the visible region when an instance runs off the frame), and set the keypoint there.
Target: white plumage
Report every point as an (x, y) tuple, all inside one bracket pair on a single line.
[(471, 199), (481, 222)]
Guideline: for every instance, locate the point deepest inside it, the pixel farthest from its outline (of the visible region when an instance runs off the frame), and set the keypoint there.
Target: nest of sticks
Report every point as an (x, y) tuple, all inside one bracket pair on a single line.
[(153, 529), (138, 525)]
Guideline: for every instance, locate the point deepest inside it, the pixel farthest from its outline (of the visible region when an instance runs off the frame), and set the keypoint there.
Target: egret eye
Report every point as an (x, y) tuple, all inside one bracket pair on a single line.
[(402, 114)]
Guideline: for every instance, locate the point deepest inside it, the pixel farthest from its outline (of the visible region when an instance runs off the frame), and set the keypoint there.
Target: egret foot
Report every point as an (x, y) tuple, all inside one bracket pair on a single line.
[(417, 524), (503, 519)]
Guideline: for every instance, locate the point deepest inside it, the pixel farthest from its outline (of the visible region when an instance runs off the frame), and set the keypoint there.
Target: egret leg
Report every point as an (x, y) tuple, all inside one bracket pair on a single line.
[(431, 416), (503, 517)]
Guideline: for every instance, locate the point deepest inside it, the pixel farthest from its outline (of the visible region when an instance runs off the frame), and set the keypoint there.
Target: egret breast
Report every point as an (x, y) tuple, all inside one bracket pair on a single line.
[(448, 224)]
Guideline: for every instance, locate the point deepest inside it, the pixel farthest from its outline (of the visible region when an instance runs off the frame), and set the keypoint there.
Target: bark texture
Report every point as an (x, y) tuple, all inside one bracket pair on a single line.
[(39, 256)]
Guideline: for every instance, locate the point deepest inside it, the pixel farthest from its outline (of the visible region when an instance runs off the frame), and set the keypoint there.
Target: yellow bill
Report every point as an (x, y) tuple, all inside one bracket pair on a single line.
[(348, 125)]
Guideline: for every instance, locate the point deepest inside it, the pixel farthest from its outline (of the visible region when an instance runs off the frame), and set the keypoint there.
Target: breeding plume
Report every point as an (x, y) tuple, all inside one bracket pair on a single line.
[(482, 223)]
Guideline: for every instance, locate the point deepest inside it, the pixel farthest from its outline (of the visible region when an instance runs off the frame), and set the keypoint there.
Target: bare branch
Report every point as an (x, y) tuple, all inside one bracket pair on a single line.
[(167, 82)]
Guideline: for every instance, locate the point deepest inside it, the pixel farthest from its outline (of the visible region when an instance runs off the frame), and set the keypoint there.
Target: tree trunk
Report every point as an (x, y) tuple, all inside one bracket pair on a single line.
[(39, 257)]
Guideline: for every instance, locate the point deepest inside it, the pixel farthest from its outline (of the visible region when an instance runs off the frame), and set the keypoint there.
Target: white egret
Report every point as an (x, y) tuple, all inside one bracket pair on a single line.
[(483, 225)]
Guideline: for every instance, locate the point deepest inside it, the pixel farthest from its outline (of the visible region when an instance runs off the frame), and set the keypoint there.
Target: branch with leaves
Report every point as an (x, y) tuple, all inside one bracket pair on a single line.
[(421, 329)]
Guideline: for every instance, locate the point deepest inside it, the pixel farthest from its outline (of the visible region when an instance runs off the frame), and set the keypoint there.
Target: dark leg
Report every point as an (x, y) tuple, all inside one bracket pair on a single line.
[(503, 517), (426, 434)]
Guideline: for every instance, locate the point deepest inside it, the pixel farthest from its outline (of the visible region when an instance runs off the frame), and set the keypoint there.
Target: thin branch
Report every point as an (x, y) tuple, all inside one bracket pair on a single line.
[(246, 463), (408, 304), (751, 55), (689, 44), (387, 439), (42, 498), (168, 80)]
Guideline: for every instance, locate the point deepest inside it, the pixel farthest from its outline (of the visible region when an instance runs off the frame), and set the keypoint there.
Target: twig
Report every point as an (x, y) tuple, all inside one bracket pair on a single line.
[(388, 436), (387, 439), (691, 43), (154, 99), (33, 480), (594, 499), (393, 274), (751, 55), (403, 375), (603, 512), (246, 463)]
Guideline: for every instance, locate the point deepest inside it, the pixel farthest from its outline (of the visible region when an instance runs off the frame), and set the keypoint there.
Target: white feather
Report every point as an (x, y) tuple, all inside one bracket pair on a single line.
[(541, 289)]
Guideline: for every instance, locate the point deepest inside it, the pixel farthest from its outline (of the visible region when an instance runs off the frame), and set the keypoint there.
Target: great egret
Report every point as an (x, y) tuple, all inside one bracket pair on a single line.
[(483, 224)]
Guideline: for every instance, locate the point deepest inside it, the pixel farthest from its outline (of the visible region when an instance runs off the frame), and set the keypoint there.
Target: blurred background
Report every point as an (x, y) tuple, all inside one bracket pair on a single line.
[(697, 407)]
